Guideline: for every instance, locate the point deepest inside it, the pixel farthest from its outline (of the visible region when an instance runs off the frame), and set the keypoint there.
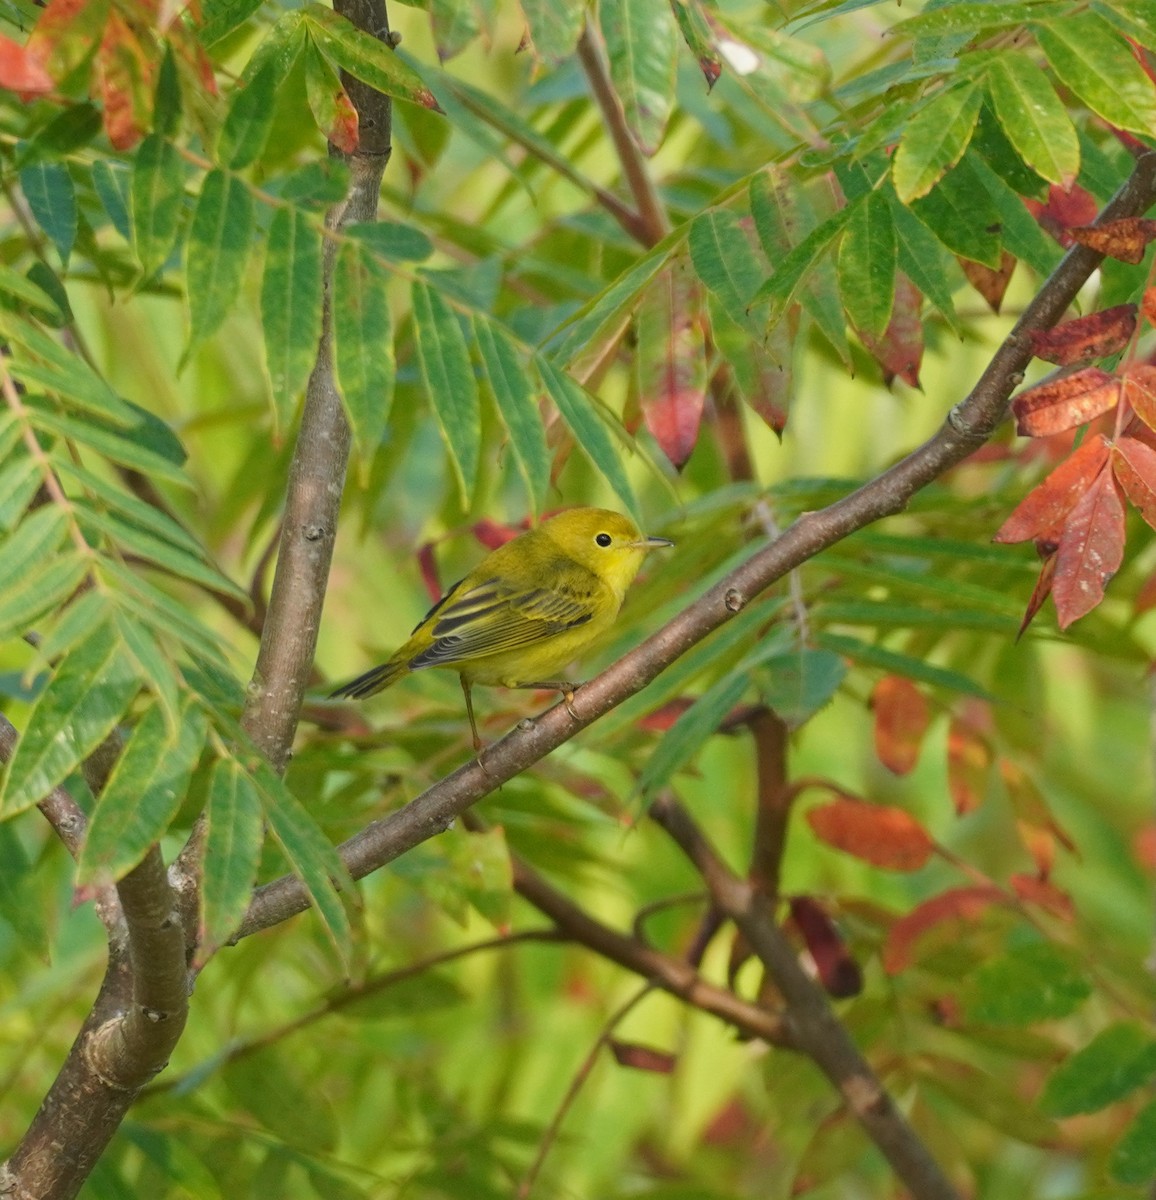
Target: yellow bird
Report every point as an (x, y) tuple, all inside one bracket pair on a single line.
[(526, 610)]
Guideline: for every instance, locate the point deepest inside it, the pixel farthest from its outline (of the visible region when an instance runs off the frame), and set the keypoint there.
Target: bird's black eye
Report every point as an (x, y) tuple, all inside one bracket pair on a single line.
[(602, 539)]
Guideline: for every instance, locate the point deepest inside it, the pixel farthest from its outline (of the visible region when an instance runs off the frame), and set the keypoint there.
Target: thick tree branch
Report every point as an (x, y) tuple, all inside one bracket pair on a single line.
[(967, 426), (815, 1029)]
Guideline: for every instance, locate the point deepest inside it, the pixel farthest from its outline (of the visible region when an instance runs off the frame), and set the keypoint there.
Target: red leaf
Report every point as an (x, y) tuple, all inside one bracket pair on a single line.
[(1042, 511), (901, 720), (1040, 592), (1134, 463), (838, 971), (1045, 895), (1097, 335), (642, 1058), (1125, 239), (1144, 846), (493, 534), (990, 284), (879, 834), (671, 360), (428, 565), (900, 350), (1037, 828), (1140, 392), (1063, 210), (969, 759), (964, 904), (663, 717), (21, 71), (1090, 551), (1065, 403)]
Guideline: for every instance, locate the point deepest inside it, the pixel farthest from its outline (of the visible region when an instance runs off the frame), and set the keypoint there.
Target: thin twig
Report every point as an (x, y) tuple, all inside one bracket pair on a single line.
[(653, 224), (577, 1082)]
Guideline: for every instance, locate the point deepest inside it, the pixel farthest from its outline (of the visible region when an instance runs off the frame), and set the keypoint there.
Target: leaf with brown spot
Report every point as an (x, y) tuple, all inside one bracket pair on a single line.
[(991, 284), (1063, 403), (1097, 335), (1139, 391), (957, 905), (899, 351), (901, 720), (671, 360), (1134, 464), (837, 969), (879, 834), (969, 759), (1042, 511), (1126, 239), (1090, 551)]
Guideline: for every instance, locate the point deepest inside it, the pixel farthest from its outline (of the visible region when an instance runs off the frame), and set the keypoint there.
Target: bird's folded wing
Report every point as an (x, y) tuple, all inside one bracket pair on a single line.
[(491, 618)]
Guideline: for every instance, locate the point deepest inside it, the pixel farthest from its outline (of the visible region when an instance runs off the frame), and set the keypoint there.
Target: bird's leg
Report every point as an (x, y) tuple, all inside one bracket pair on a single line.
[(564, 686), (470, 713)]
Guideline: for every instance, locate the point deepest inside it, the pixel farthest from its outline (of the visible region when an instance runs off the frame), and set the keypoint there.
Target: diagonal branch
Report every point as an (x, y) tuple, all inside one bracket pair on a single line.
[(966, 427), (815, 1029)]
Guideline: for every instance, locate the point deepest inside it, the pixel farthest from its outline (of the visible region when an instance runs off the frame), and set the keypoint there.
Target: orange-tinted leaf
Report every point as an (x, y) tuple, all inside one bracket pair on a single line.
[(964, 904), (1139, 391), (1148, 306), (1042, 511), (1125, 239), (21, 71), (1063, 210), (671, 360), (901, 720), (1044, 894), (900, 350), (969, 758), (877, 833), (1037, 827), (838, 971), (1134, 463), (125, 73), (1040, 592), (1090, 551), (642, 1058), (1065, 403), (66, 33), (1144, 846), (990, 284), (1095, 336)]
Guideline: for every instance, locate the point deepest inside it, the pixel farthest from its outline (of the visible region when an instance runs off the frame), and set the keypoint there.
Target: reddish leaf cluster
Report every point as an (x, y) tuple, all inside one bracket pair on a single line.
[(130, 38), (899, 350), (1076, 516), (837, 969)]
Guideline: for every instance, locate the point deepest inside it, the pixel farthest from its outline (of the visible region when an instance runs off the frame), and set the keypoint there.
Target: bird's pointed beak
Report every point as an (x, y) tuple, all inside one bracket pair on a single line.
[(652, 543)]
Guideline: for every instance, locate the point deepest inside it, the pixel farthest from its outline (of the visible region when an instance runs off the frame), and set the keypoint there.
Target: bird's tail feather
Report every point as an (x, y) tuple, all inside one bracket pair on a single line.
[(371, 682)]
